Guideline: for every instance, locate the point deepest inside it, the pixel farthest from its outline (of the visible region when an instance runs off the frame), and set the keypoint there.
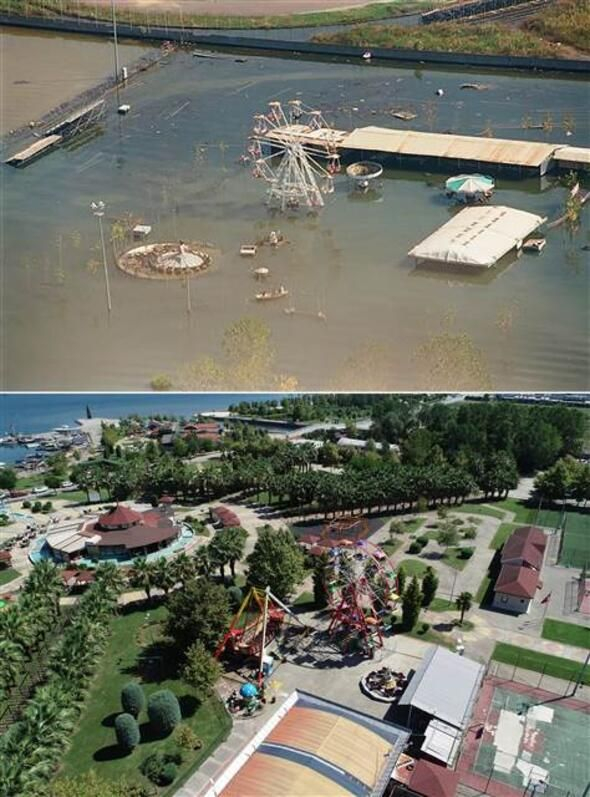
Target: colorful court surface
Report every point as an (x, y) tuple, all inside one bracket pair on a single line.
[(320, 748)]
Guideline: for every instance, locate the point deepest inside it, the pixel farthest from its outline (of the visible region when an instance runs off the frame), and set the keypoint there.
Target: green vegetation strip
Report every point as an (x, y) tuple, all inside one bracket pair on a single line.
[(449, 37), (412, 567), (442, 605), (540, 662), (94, 745), (480, 509), (153, 18), (567, 22), (8, 575), (568, 633), (502, 534)]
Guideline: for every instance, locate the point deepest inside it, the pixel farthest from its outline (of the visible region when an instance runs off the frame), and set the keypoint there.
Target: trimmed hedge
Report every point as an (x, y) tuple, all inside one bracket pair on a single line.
[(132, 699), (127, 730), (164, 711)]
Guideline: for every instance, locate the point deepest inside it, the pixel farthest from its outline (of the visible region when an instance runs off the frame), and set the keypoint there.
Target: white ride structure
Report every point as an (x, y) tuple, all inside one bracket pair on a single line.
[(285, 154)]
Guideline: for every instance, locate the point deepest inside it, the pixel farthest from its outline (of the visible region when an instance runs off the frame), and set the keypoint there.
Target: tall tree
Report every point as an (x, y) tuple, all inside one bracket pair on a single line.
[(411, 604), (464, 602), (429, 587), (199, 612), (201, 669), (277, 562), (141, 576)]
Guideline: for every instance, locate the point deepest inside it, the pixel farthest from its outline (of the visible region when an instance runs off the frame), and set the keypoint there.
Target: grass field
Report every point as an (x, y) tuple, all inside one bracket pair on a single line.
[(7, 575), (480, 509), (452, 559), (502, 534), (568, 633), (442, 605), (539, 662), (412, 567), (575, 547), (93, 745)]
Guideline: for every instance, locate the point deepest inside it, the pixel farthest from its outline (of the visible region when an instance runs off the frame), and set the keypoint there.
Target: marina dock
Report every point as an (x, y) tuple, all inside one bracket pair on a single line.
[(442, 149)]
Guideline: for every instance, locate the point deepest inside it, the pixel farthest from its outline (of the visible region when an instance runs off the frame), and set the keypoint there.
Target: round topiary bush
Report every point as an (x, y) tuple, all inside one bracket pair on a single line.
[(164, 711), (466, 553), (133, 699), (168, 774), (127, 731), (415, 547)]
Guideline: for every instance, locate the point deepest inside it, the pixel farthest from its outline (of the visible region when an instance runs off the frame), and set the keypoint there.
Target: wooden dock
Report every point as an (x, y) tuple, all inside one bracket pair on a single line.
[(442, 148), (34, 151)]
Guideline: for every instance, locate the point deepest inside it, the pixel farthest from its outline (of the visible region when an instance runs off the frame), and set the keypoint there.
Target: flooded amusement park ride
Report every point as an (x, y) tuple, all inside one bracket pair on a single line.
[(299, 172)]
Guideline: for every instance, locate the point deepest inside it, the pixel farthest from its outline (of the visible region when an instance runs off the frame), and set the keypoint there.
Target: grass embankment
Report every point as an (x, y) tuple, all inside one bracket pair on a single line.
[(540, 662), (567, 22), (413, 567), (567, 633), (449, 37), (480, 509), (504, 531), (172, 18), (134, 653), (7, 575)]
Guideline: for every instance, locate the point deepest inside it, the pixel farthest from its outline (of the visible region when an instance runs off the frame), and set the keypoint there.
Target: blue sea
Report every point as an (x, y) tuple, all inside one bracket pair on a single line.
[(30, 413)]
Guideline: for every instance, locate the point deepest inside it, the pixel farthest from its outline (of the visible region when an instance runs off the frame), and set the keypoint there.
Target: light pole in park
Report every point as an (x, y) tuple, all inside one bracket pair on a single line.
[(116, 46), (98, 209)]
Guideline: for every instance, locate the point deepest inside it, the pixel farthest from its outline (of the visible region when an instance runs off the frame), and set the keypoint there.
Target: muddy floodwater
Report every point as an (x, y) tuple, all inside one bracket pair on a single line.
[(173, 163), (41, 70)]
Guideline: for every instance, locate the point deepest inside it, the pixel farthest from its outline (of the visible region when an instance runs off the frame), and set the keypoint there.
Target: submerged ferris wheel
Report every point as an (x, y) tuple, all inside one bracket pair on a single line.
[(289, 147)]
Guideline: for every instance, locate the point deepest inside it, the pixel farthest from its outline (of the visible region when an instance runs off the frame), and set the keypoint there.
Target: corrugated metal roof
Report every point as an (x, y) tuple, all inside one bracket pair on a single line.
[(444, 686), (446, 145), (478, 236), (577, 154)]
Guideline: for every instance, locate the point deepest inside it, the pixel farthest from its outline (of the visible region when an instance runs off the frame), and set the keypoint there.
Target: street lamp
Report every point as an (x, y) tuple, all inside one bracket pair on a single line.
[(116, 44), (98, 209)]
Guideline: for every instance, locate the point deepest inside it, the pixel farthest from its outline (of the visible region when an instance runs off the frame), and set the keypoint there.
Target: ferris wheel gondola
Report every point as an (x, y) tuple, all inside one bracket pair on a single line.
[(298, 171)]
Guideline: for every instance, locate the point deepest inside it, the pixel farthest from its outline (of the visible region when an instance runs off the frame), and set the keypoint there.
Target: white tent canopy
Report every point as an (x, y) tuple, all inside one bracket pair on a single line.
[(478, 236)]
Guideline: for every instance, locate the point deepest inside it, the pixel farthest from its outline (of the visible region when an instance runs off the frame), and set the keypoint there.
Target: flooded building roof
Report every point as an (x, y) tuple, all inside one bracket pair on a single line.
[(478, 236)]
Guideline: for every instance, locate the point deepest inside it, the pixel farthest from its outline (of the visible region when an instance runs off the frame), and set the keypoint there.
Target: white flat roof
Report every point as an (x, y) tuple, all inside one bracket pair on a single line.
[(478, 236), (442, 741), (578, 154), (445, 685)]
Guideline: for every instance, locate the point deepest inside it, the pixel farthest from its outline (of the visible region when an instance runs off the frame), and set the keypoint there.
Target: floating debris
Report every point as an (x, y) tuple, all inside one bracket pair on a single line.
[(405, 116), (265, 296), (248, 250), (476, 86), (534, 245)]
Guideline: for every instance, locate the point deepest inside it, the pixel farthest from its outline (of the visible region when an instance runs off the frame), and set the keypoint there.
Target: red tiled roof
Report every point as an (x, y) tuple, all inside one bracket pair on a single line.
[(522, 582), (74, 578), (225, 516), (120, 516), (526, 543), (432, 780), (5, 556)]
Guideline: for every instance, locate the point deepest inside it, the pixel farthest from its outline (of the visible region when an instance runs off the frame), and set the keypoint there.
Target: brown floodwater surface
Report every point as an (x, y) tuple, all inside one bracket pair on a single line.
[(41, 70), (173, 162)]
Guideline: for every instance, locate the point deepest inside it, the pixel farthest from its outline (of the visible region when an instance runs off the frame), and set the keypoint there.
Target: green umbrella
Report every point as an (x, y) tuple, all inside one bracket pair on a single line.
[(470, 184)]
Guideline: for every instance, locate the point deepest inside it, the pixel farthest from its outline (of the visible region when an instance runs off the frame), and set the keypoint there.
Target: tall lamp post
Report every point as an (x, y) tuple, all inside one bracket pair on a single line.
[(98, 209), (116, 44)]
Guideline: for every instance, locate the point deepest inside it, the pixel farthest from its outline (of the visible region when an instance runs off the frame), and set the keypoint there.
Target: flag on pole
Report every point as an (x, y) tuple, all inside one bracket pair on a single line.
[(546, 598)]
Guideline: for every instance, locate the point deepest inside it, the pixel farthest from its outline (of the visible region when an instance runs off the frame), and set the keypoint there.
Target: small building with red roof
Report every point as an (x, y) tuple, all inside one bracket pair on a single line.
[(224, 517), (519, 579), (5, 559)]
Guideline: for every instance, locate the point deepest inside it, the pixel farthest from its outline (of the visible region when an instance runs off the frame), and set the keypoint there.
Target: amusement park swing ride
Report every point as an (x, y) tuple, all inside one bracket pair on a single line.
[(291, 164)]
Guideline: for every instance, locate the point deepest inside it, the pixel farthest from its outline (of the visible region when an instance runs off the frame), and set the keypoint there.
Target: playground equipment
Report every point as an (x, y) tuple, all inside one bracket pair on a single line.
[(284, 154), (256, 623), (361, 586)]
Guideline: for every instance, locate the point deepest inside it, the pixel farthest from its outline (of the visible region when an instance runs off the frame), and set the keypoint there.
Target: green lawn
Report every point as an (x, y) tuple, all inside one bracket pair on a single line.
[(7, 575), (412, 526), (412, 567), (540, 662), (442, 605), (93, 745), (480, 509), (502, 534), (568, 633), (452, 559), (305, 600), (391, 546), (482, 590), (27, 482), (73, 496)]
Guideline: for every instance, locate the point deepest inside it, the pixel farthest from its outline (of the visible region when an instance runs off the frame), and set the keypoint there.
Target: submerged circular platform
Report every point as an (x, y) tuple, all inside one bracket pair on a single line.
[(166, 260)]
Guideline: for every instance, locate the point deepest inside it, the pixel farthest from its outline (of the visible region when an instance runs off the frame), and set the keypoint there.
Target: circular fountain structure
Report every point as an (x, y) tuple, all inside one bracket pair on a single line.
[(364, 174)]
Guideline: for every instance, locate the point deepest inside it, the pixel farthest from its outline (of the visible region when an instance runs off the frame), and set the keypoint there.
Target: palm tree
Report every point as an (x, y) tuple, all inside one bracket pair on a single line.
[(202, 561), (184, 568), (164, 575), (142, 576), (464, 603), (45, 582), (111, 577), (234, 540)]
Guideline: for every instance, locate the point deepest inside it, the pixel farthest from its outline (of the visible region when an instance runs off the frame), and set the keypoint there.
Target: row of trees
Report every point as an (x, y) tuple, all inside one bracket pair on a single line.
[(31, 748), (567, 479)]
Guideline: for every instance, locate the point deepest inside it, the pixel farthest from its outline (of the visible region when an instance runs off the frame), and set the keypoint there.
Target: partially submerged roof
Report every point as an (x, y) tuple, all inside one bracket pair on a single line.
[(445, 686), (518, 581), (579, 155), (478, 236), (314, 747), (444, 145)]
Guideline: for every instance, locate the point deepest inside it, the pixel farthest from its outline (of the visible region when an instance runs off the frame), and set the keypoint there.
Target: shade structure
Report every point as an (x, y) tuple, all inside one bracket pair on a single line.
[(248, 690), (478, 236), (469, 184)]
